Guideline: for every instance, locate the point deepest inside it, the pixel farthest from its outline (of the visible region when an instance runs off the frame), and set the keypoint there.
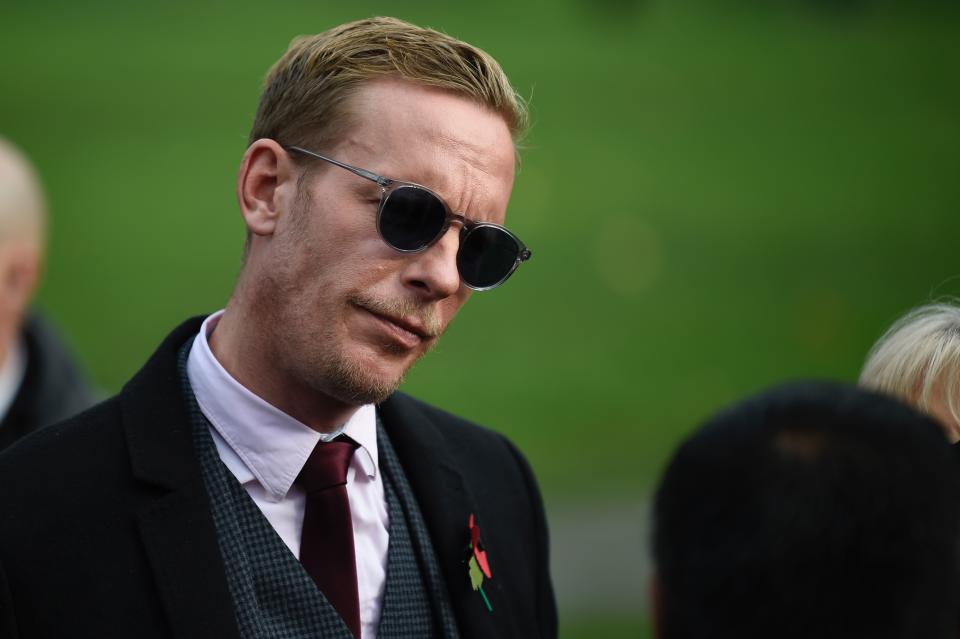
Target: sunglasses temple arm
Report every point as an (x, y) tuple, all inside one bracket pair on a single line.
[(369, 175)]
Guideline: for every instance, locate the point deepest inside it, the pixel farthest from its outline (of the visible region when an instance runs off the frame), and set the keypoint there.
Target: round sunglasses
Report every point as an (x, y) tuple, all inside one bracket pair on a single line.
[(412, 217)]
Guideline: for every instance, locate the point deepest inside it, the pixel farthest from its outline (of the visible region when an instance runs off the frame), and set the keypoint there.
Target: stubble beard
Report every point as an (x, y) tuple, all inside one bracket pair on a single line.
[(350, 382), (348, 379), (320, 361)]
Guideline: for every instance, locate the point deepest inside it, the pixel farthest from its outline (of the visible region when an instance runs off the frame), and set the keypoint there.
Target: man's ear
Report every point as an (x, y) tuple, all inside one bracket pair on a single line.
[(264, 185)]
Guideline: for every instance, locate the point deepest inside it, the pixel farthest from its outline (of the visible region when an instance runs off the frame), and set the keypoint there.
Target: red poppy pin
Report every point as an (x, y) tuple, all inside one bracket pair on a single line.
[(477, 565)]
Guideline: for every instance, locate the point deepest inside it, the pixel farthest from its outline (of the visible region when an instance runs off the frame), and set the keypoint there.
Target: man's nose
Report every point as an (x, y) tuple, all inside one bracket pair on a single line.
[(433, 272)]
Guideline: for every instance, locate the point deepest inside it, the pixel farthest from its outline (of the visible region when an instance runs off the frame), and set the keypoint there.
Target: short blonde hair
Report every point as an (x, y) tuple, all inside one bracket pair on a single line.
[(918, 354), (306, 92)]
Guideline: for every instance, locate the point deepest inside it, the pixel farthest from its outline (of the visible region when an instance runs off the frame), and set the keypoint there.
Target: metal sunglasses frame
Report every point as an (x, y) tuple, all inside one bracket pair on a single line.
[(388, 186)]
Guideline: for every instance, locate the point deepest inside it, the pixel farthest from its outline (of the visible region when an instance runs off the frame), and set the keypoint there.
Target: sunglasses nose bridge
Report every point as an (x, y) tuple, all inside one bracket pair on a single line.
[(450, 219), (434, 268), (449, 230)]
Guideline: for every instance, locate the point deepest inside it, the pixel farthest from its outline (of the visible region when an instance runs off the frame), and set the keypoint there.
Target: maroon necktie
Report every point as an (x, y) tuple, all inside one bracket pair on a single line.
[(326, 546)]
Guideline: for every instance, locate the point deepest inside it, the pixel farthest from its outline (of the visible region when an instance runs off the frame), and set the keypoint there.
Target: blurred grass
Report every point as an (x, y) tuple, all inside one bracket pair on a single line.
[(606, 626), (719, 195)]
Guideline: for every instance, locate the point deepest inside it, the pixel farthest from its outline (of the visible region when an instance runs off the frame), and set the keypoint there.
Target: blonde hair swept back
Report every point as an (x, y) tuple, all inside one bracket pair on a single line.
[(917, 357), (305, 94)]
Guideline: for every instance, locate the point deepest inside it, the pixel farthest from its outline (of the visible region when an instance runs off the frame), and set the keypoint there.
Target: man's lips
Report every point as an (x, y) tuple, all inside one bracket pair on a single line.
[(406, 323), (407, 331)]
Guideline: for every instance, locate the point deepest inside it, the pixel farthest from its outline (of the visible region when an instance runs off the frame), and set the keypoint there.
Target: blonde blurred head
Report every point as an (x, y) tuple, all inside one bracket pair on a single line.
[(918, 360)]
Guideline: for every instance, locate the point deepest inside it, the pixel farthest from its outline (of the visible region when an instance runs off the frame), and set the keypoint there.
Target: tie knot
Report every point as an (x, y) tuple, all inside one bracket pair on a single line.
[(327, 465)]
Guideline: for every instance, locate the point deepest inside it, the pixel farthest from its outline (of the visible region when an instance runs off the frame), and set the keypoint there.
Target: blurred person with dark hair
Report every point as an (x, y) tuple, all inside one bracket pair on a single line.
[(918, 360), (810, 510), (39, 382), (260, 476)]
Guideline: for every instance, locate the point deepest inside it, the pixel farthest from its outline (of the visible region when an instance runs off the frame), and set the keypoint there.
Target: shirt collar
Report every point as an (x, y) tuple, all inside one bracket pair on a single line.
[(264, 443)]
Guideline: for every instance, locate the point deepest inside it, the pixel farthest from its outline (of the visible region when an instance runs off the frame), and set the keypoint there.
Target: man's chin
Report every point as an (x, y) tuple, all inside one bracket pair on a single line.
[(360, 392), (364, 372), (354, 382)]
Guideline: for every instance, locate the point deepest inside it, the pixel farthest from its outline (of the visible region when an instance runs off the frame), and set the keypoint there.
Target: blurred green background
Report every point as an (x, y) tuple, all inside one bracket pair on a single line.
[(719, 195)]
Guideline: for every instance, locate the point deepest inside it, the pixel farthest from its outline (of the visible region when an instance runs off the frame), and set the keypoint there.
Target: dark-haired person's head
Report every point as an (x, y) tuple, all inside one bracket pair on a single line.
[(810, 510)]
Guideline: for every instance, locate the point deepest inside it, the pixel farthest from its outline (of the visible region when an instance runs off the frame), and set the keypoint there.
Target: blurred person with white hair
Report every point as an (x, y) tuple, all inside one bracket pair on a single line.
[(918, 361), (39, 382)]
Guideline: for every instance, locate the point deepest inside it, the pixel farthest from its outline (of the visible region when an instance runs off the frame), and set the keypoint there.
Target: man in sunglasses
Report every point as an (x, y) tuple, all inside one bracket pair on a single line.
[(260, 476)]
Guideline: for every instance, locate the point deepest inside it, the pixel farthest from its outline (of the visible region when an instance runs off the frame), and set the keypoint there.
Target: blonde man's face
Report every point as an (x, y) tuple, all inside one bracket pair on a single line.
[(348, 314)]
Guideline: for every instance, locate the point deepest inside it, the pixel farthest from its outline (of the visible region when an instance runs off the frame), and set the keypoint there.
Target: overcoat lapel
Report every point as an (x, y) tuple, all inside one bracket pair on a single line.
[(175, 524), (429, 462), (178, 531)]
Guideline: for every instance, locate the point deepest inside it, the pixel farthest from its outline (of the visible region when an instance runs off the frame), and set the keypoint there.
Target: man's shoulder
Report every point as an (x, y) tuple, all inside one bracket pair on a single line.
[(409, 405), (429, 421), (419, 430)]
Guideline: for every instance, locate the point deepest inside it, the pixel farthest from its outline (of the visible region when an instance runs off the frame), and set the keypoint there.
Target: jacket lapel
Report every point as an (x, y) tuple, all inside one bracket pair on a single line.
[(175, 523), (429, 462)]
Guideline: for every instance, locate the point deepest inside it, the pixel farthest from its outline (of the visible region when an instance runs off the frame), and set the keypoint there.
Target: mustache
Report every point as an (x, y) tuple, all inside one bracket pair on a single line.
[(425, 316)]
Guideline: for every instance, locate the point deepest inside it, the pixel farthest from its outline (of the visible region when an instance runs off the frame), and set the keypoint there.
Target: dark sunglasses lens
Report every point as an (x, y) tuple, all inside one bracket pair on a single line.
[(487, 255), (411, 218)]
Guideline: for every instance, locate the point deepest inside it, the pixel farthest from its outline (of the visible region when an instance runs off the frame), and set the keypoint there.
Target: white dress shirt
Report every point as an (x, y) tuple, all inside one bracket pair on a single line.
[(265, 449), (11, 375)]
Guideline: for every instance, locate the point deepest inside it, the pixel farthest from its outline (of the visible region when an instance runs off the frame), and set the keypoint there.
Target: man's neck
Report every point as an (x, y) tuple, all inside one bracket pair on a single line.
[(240, 349)]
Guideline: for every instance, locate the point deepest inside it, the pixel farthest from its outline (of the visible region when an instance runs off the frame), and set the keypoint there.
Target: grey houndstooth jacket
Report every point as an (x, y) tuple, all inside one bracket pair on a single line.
[(106, 527)]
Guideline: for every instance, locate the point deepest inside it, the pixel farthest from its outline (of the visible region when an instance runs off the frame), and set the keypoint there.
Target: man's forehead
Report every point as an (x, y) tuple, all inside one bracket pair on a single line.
[(398, 161), (440, 140), (387, 114)]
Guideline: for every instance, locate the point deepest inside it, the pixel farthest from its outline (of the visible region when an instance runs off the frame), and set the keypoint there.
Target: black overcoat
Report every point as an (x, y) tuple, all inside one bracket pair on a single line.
[(105, 526)]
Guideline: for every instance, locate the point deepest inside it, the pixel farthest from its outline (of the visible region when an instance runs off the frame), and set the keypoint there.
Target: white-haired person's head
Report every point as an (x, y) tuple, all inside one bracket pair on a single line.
[(40, 384), (23, 219), (918, 361)]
